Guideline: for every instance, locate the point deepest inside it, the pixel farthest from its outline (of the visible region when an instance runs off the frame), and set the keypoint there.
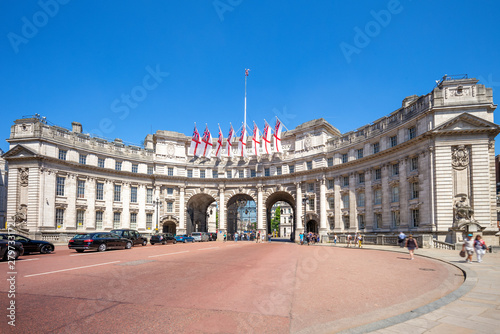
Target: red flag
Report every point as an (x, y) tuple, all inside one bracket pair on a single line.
[(246, 72)]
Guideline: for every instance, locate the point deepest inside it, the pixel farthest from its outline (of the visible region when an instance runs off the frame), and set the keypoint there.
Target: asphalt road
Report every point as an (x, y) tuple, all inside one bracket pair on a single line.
[(217, 287)]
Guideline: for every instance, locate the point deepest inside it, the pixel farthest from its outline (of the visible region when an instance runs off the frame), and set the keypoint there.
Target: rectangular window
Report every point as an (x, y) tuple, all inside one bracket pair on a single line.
[(361, 199), (414, 163), (98, 220), (395, 194), (133, 220), (359, 153), (149, 195), (135, 168), (241, 174), (170, 191), (190, 173), (311, 204), (150, 170), (412, 133), (345, 201), (215, 174), (99, 194), (83, 159), (376, 148), (331, 203), (202, 174), (378, 220), (80, 218), (170, 171), (228, 174), (170, 207), (393, 141), (330, 162), (100, 162), (62, 154), (378, 174), (395, 169), (413, 190), (377, 196), (344, 158), (309, 165), (267, 172), (347, 221), (361, 178), (395, 218), (60, 186), (330, 184), (253, 173), (149, 221), (117, 193), (59, 218), (278, 170), (116, 219), (361, 221), (133, 194), (80, 190), (118, 165), (310, 187), (414, 217), (291, 169), (345, 181)]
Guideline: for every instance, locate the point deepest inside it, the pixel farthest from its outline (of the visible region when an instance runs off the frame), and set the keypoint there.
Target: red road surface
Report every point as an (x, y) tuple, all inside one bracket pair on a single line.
[(218, 288)]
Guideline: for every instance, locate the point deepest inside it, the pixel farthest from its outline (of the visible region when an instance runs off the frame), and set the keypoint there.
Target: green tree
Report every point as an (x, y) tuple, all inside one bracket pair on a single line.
[(275, 222)]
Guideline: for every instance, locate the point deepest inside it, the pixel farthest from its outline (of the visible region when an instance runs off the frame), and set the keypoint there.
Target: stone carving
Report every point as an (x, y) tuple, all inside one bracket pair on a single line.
[(463, 210), (460, 158), (308, 142), (23, 177), (20, 217)]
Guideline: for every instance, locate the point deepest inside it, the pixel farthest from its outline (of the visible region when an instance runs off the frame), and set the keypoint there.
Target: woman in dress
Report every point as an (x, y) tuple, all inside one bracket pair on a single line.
[(480, 248), (411, 244)]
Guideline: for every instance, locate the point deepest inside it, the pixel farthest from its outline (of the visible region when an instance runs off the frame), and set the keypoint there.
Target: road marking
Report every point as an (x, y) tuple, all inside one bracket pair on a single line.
[(232, 245), (168, 254), (62, 270), (208, 248), (37, 258), (93, 253)]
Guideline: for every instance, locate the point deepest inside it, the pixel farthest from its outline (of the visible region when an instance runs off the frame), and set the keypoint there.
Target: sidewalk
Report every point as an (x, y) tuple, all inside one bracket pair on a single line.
[(472, 308)]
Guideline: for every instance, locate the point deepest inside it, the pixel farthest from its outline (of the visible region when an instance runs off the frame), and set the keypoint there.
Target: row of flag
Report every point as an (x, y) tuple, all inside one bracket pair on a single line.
[(204, 146)]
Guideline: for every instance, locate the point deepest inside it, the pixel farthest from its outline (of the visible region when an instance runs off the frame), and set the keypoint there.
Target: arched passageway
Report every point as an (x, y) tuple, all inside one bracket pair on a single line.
[(312, 226), (241, 214), (287, 231), (169, 227), (199, 211)]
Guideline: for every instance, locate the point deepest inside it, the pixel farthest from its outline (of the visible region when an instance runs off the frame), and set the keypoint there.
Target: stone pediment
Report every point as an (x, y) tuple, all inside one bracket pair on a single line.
[(467, 123), (19, 151)]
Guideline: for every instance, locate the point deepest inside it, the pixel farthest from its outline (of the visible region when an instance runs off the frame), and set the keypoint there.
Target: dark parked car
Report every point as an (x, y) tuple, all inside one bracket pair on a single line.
[(99, 241), (184, 238), (10, 251), (163, 238), (136, 237), (30, 245), (212, 236)]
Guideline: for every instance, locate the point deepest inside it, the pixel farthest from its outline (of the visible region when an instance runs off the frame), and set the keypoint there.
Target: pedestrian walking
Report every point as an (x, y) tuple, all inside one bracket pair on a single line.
[(401, 239), (335, 240), (480, 248), (258, 237), (411, 244), (349, 238), (468, 247), (360, 240), (236, 237), (301, 237), (225, 236)]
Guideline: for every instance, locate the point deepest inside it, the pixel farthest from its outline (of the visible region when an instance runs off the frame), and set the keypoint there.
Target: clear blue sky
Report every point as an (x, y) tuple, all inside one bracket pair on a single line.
[(78, 61)]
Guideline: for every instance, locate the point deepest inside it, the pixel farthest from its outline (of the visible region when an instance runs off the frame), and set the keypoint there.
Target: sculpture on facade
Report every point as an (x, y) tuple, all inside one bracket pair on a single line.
[(20, 216), (463, 211), (460, 157)]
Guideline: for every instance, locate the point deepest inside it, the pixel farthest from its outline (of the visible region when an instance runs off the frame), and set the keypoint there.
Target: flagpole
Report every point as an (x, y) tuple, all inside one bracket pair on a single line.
[(245, 118)]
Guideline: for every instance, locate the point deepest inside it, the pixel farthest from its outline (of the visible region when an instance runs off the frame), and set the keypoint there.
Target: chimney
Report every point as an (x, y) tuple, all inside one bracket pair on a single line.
[(76, 127)]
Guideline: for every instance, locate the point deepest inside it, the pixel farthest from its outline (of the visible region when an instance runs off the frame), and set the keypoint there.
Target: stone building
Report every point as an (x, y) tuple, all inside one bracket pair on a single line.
[(426, 168), (3, 191)]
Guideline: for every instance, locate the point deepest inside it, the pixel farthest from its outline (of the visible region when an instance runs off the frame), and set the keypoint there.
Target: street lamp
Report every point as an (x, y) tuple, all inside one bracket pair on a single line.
[(304, 201), (158, 203)]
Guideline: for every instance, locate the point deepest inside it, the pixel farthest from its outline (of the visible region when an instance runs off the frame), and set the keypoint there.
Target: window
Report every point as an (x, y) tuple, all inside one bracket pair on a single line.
[(80, 216), (361, 178), (413, 190), (414, 217), (310, 187), (149, 195), (99, 193), (135, 168), (118, 165), (100, 162), (228, 174), (62, 154), (378, 174), (60, 186), (253, 173), (412, 133), (346, 221), (330, 162), (361, 199), (395, 194), (80, 190), (133, 194), (330, 184), (59, 218), (361, 221), (150, 170), (83, 159), (393, 141), (170, 191), (170, 171), (117, 193), (116, 219), (395, 218), (376, 148), (190, 173), (241, 174), (309, 165), (377, 196), (378, 220), (291, 169), (311, 204), (202, 174), (133, 220), (344, 158), (278, 170), (98, 220), (414, 163), (170, 206), (267, 172), (345, 181), (359, 153), (395, 169), (331, 203), (345, 201), (149, 221), (215, 174)]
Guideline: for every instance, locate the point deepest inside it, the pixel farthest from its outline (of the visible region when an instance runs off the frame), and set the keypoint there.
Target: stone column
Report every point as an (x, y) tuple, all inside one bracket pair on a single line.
[(125, 219), (70, 193), (182, 211), (260, 221), (298, 207), (90, 195), (369, 215), (403, 195), (338, 212), (222, 211), (322, 207)]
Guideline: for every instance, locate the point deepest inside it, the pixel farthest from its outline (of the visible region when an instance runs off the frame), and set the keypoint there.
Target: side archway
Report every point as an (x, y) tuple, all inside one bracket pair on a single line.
[(197, 210)]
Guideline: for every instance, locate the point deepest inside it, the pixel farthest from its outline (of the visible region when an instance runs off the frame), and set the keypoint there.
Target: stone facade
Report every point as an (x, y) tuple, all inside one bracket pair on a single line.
[(419, 169), (3, 191)]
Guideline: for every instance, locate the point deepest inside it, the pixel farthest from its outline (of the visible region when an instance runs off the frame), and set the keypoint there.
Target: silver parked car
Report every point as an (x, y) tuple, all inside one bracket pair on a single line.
[(200, 236)]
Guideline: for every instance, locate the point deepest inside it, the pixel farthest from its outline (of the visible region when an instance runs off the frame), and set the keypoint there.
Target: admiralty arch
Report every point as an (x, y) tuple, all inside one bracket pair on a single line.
[(425, 168)]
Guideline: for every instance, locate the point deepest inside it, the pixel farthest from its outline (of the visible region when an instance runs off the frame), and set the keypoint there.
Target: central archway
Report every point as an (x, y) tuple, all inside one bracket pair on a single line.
[(241, 215), (281, 196)]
